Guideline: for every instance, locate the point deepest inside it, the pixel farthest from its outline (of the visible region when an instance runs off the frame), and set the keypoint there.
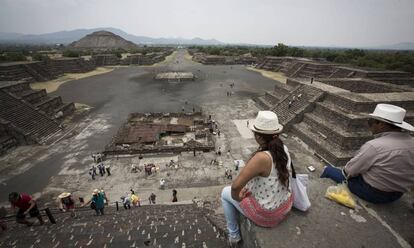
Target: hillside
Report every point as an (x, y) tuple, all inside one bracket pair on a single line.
[(103, 40)]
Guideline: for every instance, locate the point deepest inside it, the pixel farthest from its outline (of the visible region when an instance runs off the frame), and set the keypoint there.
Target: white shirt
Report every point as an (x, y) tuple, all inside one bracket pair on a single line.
[(269, 192)]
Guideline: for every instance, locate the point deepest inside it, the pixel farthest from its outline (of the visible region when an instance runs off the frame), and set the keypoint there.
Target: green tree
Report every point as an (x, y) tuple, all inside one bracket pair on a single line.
[(280, 50)]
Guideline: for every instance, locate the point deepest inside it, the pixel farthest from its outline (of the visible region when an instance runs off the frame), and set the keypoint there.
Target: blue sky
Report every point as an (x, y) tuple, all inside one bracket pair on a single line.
[(293, 22)]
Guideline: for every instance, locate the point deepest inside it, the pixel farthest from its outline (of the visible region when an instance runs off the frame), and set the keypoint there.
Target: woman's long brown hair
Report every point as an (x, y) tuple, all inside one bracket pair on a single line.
[(275, 146)]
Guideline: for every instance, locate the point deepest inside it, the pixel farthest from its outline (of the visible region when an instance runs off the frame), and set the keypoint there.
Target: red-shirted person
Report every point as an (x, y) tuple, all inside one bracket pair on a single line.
[(26, 205)]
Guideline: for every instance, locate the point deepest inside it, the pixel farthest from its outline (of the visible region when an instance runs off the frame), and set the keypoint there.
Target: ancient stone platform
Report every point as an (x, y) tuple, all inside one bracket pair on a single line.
[(161, 133), (175, 76), (330, 114)]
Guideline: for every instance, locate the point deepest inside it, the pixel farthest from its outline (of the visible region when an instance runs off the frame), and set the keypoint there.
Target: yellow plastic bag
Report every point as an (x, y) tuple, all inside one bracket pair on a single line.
[(340, 194)]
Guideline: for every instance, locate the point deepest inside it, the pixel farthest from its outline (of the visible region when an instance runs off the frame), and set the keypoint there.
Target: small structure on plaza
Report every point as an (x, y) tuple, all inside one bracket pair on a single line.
[(175, 76), (162, 133)]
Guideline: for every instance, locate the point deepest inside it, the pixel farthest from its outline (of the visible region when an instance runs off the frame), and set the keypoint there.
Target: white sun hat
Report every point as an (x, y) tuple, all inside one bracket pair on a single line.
[(391, 114), (266, 122), (64, 195)]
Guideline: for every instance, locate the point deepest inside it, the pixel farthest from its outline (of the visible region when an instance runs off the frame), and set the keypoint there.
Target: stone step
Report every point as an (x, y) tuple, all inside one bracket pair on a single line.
[(314, 140), (33, 96), (25, 117), (351, 103), (274, 96), (262, 103), (49, 104), (335, 135), (150, 225), (334, 113)]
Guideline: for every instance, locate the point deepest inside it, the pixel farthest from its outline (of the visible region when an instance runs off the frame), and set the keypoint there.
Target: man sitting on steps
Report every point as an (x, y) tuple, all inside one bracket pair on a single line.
[(383, 169)]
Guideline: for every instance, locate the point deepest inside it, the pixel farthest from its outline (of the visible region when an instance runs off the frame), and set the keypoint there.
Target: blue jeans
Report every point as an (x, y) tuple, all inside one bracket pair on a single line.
[(359, 187), (231, 207)]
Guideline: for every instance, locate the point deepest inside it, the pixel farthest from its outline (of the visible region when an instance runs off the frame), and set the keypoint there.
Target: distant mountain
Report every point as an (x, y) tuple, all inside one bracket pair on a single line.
[(399, 46), (103, 40), (66, 37)]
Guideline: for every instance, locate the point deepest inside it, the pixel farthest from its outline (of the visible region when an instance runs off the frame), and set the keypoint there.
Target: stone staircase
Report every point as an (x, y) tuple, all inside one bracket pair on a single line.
[(43, 70), (330, 116), (28, 121), (178, 225), (14, 72), (38, 98), (314, 70), (340, 73), (294, 69), (272, 98), (301, 100), (271, 63), (278, 101), (337, 127), (35, 74), (40, 69)]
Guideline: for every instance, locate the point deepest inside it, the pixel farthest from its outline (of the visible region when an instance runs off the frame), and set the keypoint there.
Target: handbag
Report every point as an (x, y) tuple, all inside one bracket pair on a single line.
[(299, 184)]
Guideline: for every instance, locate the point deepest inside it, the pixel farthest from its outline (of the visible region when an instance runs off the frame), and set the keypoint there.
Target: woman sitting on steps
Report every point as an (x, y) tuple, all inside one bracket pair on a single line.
[(261, 191)]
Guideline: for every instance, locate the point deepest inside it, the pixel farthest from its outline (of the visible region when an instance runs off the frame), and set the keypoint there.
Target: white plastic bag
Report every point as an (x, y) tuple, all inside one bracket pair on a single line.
[(299, 190)]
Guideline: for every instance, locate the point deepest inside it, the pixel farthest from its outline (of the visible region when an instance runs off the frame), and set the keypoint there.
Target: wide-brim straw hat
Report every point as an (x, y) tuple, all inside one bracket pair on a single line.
[(64, 195), (391, 114), (266, 122)]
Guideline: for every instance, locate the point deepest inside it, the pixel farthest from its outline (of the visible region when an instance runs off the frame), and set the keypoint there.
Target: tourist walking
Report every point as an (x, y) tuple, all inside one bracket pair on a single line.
[(126, 202), (97, 201), (136, 202), (25, 204), (92, 172), (66, 203), (383, 169), (108, 169), (152, 198), (261, 191), (174, 196), (101, 168), (162, 183)]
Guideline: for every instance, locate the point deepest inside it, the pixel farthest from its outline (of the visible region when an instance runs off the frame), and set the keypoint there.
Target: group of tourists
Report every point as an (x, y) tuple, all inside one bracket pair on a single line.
[(99, 165), (150, 169), (23, 204), (294, 99), (97, 202), (381, 171)]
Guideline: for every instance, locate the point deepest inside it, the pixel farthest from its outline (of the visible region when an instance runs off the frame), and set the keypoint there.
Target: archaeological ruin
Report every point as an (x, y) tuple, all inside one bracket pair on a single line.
[(163, 133), (206, 59), (134, 123), (326, 105), (29, 116)]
